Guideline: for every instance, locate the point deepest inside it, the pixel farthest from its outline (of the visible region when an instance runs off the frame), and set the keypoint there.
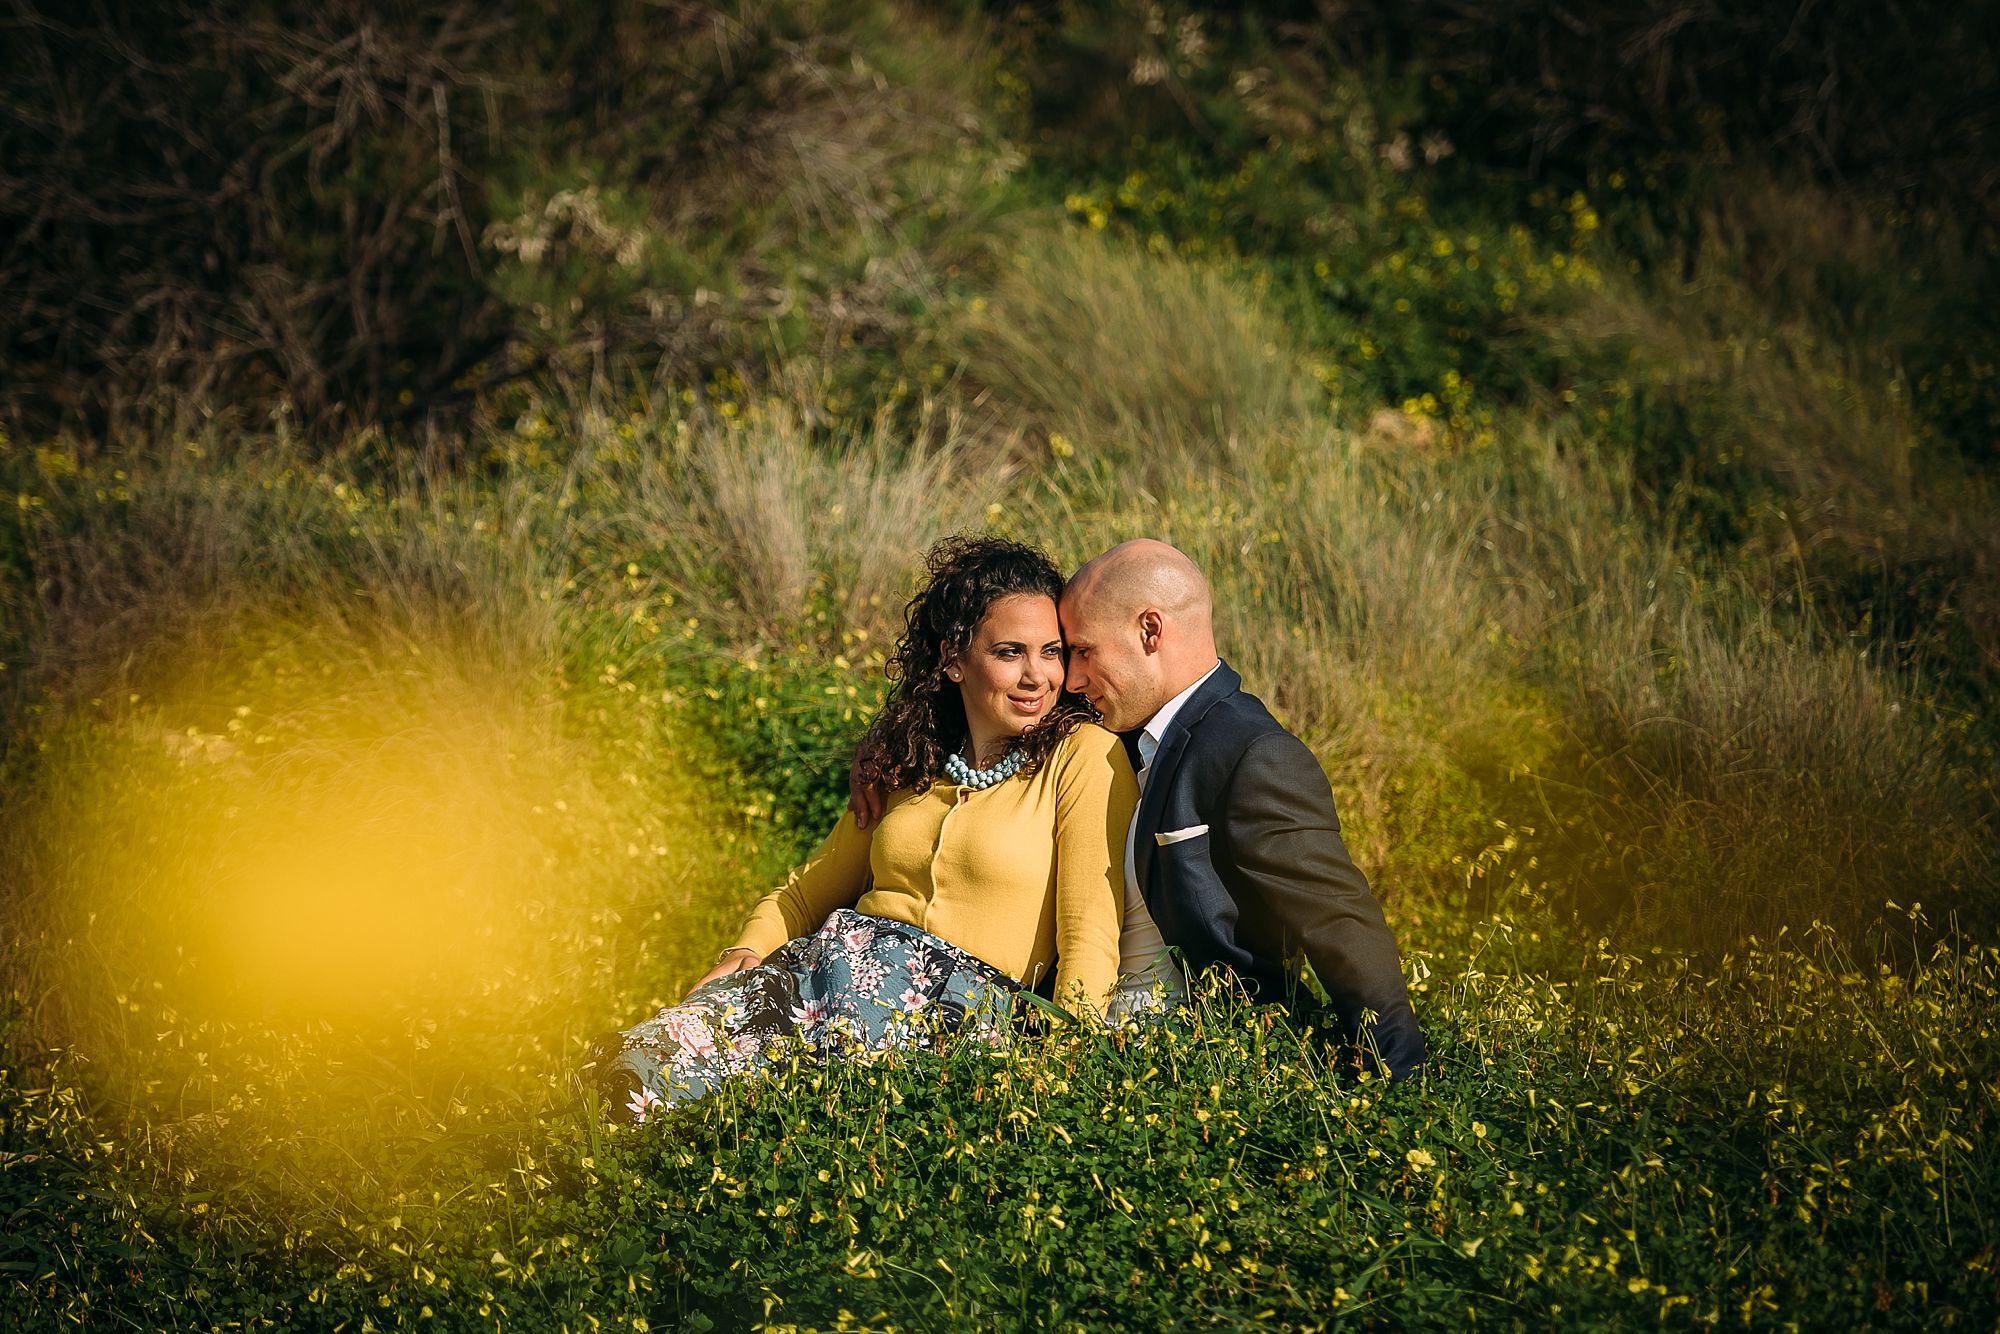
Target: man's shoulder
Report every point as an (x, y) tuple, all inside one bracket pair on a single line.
[(1236, 720), (1239, 732)]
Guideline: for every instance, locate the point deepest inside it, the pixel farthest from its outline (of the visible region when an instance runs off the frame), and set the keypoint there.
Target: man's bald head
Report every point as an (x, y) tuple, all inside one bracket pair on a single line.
[(1146, 572), (1139, 621)]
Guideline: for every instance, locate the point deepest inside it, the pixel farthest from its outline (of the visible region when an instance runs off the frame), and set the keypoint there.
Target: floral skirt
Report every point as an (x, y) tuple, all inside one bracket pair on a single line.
[(859, 984)]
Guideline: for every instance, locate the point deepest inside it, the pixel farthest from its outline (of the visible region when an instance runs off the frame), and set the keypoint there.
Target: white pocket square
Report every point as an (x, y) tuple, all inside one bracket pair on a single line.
[(1180, 835)]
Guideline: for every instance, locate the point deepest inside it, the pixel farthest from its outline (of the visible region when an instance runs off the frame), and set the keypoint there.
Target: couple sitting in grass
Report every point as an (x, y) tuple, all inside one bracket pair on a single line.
[(1067, 790)]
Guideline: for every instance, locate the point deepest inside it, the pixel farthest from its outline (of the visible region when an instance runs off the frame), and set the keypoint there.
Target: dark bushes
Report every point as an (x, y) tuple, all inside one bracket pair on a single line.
[(1888, 96), (236, 205), (376, 214)]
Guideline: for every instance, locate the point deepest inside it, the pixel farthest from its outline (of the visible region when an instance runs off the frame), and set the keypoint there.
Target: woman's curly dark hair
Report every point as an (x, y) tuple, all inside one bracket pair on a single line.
[(924, 718)]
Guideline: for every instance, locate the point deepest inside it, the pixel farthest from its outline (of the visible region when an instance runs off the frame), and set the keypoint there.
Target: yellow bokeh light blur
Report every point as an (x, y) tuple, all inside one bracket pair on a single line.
[(345, 909), (344, 840)]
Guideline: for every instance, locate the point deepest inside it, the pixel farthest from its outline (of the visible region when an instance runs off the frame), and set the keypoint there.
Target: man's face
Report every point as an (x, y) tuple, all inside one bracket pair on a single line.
[(1108, 665)]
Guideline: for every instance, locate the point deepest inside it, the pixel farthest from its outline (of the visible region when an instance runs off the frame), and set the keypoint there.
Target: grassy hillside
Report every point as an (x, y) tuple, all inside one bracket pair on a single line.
[(400, 692)]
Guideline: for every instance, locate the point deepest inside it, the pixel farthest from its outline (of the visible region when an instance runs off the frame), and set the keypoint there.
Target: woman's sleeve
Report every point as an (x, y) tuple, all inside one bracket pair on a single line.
[(835, 876), (1095, 797)]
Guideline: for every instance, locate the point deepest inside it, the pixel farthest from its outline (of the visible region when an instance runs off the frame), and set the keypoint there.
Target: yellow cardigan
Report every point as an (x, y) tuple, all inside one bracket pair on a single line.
[(1019, 873)]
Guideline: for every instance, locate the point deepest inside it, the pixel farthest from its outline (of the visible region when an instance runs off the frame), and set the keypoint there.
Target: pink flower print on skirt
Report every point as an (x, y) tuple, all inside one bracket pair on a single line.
[(859, 982)]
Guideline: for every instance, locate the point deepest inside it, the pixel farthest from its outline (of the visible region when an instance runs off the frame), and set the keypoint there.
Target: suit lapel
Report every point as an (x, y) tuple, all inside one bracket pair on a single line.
[(1167, 762)]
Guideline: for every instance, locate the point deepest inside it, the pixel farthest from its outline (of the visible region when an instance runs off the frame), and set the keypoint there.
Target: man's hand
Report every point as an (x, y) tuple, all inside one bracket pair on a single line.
[(866, 800), (732, 961)]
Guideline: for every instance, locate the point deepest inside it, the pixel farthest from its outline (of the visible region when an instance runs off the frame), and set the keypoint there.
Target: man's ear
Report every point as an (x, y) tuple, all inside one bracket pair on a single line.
[(1151, 623)]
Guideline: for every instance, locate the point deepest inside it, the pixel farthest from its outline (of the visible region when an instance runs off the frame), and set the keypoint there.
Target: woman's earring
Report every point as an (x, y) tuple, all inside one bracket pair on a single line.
[(952, 672)]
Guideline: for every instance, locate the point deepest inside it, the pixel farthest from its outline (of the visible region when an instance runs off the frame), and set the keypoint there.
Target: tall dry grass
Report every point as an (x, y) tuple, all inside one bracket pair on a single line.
[(134, 560), (1477, 642), (756, 527), (1815, 346), (1494, 642), (1167, 364)]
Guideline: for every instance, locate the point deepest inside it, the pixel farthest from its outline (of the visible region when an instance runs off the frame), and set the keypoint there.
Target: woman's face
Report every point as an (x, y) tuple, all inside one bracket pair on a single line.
[(1012, 672)]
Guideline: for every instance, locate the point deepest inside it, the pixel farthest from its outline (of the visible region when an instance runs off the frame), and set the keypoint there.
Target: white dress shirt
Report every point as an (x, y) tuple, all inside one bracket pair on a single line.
[(1147, 974)]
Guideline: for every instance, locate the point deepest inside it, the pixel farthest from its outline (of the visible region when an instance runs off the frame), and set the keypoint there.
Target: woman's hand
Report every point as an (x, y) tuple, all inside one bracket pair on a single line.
[(732, 961)]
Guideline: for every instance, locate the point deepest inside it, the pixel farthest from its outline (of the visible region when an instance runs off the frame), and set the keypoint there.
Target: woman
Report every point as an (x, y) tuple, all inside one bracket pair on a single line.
[(1001, 851)]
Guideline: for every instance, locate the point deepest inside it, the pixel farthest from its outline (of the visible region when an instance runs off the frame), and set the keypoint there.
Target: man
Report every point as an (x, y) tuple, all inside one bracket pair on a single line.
[(1235, 855), (1235, 851)]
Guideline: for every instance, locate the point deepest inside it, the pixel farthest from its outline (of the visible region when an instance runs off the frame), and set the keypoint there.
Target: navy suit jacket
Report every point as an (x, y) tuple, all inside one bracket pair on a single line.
[(1270, 879)]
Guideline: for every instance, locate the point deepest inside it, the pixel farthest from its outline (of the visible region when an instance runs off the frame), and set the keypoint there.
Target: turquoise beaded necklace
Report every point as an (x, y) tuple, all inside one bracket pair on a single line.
[(958, 771)]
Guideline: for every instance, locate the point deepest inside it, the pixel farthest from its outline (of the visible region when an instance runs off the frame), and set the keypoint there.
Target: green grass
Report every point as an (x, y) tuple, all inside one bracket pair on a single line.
[(1612, 1140)]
